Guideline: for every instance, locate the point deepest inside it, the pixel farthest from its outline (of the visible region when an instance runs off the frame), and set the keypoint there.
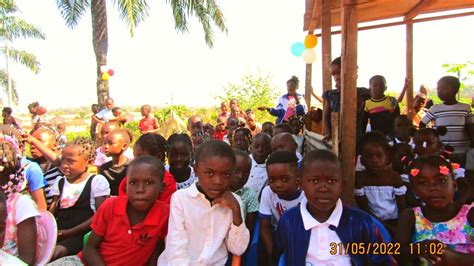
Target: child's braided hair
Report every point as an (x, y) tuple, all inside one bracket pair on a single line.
[(86, 147), (12, 177), (247, 134)]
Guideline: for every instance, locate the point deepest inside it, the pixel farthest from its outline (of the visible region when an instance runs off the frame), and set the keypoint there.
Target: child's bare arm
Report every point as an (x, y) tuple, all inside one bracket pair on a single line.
[(404, 234), (250, 221), (49, 154), (266, 234), (39, 199), (399, 194), (99, 201), (91, 250), (327, 121), (26, 240), (54, 205), (361, 200), (160, 246), (79, 229)]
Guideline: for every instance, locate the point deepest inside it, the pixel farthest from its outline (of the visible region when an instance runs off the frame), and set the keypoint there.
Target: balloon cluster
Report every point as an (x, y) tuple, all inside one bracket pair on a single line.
[(306, 49), (106, 72)]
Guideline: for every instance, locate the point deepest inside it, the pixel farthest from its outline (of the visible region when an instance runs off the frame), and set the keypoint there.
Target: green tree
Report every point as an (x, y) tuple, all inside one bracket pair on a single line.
[(13, 27), (252, 91), (133, 12)]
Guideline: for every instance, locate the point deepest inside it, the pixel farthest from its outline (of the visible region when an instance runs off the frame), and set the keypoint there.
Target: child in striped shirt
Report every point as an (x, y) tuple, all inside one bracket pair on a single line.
[(455, 116)]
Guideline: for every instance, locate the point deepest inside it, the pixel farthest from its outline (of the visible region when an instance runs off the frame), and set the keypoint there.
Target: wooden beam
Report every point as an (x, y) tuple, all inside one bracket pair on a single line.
[(348, 109), (409, 68), (307, 85), (314, 19), (398, 23), (326, 62), (419, 8)]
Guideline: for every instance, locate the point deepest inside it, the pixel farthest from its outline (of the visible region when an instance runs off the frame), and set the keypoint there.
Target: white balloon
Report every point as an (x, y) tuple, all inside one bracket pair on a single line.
[(104, 69), (309, 56)]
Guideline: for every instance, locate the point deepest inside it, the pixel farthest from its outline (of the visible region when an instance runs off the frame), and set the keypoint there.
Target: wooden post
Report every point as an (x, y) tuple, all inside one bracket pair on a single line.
[(307, 85), (348, 97), (409, 68), (326, 62)]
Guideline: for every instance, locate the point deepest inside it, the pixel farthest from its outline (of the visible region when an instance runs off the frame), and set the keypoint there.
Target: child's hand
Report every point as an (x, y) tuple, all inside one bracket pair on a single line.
[(228, 200), (64, 234), (263, 108), (407, 82), (435, 259)]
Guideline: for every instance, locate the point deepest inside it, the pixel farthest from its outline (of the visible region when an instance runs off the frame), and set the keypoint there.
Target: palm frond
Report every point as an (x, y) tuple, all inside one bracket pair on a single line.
[(4, 84), (180, 11), (206, 11), (29, 60), (15, 27), (133, 12), (7, 7), (72, 10)]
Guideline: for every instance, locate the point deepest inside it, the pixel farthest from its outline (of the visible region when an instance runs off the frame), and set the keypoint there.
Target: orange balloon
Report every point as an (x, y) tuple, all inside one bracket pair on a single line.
[(310, 41)]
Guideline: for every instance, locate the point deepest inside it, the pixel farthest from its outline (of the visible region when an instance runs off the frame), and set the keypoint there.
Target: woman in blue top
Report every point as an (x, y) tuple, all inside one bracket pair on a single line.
[(290, 104)]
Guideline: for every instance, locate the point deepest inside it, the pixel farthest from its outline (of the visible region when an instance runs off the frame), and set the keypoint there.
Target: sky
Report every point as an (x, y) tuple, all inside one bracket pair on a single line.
[(159, 66)]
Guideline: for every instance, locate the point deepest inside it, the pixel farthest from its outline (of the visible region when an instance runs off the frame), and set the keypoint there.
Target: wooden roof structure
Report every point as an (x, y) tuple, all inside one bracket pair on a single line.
[(375, 10), (322, 15)]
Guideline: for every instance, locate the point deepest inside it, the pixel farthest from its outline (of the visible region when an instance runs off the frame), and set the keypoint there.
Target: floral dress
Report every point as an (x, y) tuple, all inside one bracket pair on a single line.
[(456, 233)]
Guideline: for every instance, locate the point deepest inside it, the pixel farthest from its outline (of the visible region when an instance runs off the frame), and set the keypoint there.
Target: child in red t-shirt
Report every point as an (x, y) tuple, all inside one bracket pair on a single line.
[(220, 130), (131, 230), (149, 123)]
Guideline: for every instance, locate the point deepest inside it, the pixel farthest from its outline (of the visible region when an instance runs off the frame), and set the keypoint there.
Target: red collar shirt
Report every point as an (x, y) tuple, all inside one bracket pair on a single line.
[(123, 244)]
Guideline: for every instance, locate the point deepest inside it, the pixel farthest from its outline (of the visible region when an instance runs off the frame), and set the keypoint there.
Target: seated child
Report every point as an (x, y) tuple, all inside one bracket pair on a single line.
[(317, 231), (281, 194), (247, 196), (427, 142), (153, 145), (242, 139), (441, 231), (129, 230), (221, 130), (5, 258), (379, 190), (119, 117), (116, 143), (76, 197), (100, 156), (457, 118), (313, 121), (380, 109), (285, 142), (8, 119), (296, 126), (402, 131), (206, 220), (399, 153), (179, 159), (20, 227), (232, 124), (43, 144), (261, 149), (282, 128), (268, 128), (149, 123)]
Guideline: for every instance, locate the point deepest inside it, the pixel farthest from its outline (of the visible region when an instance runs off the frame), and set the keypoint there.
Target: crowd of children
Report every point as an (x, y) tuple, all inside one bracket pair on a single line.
[(244, 193)]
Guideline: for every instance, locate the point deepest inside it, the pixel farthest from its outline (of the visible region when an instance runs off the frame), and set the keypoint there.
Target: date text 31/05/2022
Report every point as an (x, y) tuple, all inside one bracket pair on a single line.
[(385, 248)]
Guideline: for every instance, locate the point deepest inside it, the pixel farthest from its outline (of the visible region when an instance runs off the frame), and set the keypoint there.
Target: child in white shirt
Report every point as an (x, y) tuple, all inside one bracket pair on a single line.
[(206, 220)]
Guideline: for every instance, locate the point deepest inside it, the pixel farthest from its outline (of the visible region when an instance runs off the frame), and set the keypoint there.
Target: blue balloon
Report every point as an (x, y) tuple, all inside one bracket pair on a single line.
[(297, 48)]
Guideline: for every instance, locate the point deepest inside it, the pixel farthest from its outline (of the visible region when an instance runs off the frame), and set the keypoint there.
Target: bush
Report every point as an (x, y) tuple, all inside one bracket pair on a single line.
[(252, 92), (73, 135)]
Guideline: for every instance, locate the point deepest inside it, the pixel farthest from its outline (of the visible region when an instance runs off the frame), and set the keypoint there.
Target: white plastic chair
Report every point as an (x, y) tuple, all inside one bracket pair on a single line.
[(47, 232)]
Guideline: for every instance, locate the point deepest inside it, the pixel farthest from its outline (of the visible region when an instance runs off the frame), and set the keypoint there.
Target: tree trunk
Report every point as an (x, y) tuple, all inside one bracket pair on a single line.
[(101, 44)]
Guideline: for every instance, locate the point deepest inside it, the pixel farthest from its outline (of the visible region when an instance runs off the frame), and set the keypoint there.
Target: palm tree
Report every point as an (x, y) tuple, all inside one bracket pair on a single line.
[(134, 12), (11, 28)]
